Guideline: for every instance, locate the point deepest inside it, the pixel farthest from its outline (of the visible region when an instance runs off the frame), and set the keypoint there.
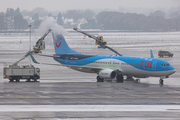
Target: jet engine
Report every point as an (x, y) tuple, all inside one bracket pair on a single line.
[(107, 73)]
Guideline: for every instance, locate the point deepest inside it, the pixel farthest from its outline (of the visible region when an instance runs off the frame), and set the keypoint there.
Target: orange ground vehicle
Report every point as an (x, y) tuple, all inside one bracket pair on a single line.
[(165, 53)]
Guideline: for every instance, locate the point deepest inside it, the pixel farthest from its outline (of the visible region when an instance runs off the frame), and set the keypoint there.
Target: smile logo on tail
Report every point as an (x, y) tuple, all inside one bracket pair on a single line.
[(57, 44)]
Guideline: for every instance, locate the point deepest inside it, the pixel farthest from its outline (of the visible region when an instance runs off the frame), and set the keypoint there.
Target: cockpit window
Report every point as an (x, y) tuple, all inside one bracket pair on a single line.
[(165, 65)]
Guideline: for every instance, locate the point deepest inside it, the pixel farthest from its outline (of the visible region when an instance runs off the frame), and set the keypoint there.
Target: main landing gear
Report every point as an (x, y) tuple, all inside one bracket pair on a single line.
[(119, 79), (100, 79)]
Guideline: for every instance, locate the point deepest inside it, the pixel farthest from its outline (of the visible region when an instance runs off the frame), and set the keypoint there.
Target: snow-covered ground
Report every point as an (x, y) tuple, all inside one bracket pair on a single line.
[(134, 41)]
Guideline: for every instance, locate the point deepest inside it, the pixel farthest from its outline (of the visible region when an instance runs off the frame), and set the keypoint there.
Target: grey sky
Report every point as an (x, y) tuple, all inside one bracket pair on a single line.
[(62, 5)]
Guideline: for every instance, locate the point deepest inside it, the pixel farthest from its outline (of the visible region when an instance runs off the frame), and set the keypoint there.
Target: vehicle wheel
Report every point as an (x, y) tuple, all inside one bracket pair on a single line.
[(35, 78), (119, 79), (11, 80), (28, 80), (17, 79)]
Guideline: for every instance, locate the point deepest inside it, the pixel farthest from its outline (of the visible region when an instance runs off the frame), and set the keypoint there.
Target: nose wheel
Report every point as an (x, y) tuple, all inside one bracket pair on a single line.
[(161, 81)]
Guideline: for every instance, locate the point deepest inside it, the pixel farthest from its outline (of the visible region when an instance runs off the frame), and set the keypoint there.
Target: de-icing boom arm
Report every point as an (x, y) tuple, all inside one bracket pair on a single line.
[(100, 42), (36, 48), (39, 44)]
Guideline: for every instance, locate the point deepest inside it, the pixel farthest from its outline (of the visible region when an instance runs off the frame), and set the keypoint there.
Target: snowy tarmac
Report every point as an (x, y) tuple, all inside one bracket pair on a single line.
[(88, 108), (65, 94)]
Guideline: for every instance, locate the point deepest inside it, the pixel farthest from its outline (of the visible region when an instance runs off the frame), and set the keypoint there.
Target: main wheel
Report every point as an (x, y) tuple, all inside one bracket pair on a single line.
[(28, 80), (17, 79), (11, 80), (119, 79), (99, 79), (35, 78)]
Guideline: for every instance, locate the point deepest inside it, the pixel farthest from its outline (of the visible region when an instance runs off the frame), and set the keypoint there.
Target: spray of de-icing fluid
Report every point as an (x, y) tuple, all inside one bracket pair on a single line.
[(50, 23)]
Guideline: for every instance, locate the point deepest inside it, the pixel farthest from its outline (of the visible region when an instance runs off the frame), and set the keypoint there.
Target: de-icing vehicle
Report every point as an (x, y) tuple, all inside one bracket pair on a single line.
[(16, 72)]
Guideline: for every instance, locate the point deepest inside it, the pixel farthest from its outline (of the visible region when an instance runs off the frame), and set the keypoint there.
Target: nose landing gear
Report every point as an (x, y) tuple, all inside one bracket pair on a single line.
[(161, 81)]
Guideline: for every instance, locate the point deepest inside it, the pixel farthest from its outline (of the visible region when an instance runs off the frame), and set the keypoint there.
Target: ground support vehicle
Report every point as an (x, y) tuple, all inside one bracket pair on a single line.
[(165, 53), (15, 73)]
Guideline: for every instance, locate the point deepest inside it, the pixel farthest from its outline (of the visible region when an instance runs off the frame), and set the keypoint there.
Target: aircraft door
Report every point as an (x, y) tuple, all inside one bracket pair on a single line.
[(66, 59), (154, 65)]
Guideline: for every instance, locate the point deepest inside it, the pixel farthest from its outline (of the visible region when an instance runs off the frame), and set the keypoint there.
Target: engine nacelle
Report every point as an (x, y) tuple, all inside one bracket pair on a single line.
[(107, 73)]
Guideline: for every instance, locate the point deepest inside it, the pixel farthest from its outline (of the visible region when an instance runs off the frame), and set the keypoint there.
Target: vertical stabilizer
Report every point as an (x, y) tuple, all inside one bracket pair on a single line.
[(60, 45), (152, 56)]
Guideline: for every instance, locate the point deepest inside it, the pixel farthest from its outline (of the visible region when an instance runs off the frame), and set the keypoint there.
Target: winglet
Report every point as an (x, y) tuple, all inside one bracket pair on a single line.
[(152, 56), (32, 58)]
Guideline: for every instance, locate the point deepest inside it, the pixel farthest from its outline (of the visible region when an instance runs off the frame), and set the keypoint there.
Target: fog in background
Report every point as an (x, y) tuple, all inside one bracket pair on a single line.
[(135, 6), (124, 15)]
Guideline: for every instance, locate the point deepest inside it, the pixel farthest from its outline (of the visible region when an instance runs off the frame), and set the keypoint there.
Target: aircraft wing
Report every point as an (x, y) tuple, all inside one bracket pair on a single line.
[(49, 55), (33, 59), (95, 69)]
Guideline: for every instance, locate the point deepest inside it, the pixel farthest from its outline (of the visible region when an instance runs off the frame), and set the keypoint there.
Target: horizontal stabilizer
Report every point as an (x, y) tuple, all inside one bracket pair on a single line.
[(54, 56), (33, 58)]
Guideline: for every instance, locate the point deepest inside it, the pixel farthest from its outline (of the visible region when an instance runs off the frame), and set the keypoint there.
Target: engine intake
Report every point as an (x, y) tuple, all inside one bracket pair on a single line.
[(107, 73)]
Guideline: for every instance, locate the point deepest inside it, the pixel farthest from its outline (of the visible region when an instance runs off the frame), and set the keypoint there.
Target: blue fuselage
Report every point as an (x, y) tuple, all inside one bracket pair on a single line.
[(135, 66)]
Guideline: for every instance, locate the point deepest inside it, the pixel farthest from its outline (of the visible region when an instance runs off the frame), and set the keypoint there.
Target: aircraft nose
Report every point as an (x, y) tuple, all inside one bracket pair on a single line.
[(173, 71)]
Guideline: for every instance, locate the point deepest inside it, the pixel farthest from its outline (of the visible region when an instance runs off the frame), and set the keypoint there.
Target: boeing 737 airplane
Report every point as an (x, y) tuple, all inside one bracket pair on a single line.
[(109, 67)]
